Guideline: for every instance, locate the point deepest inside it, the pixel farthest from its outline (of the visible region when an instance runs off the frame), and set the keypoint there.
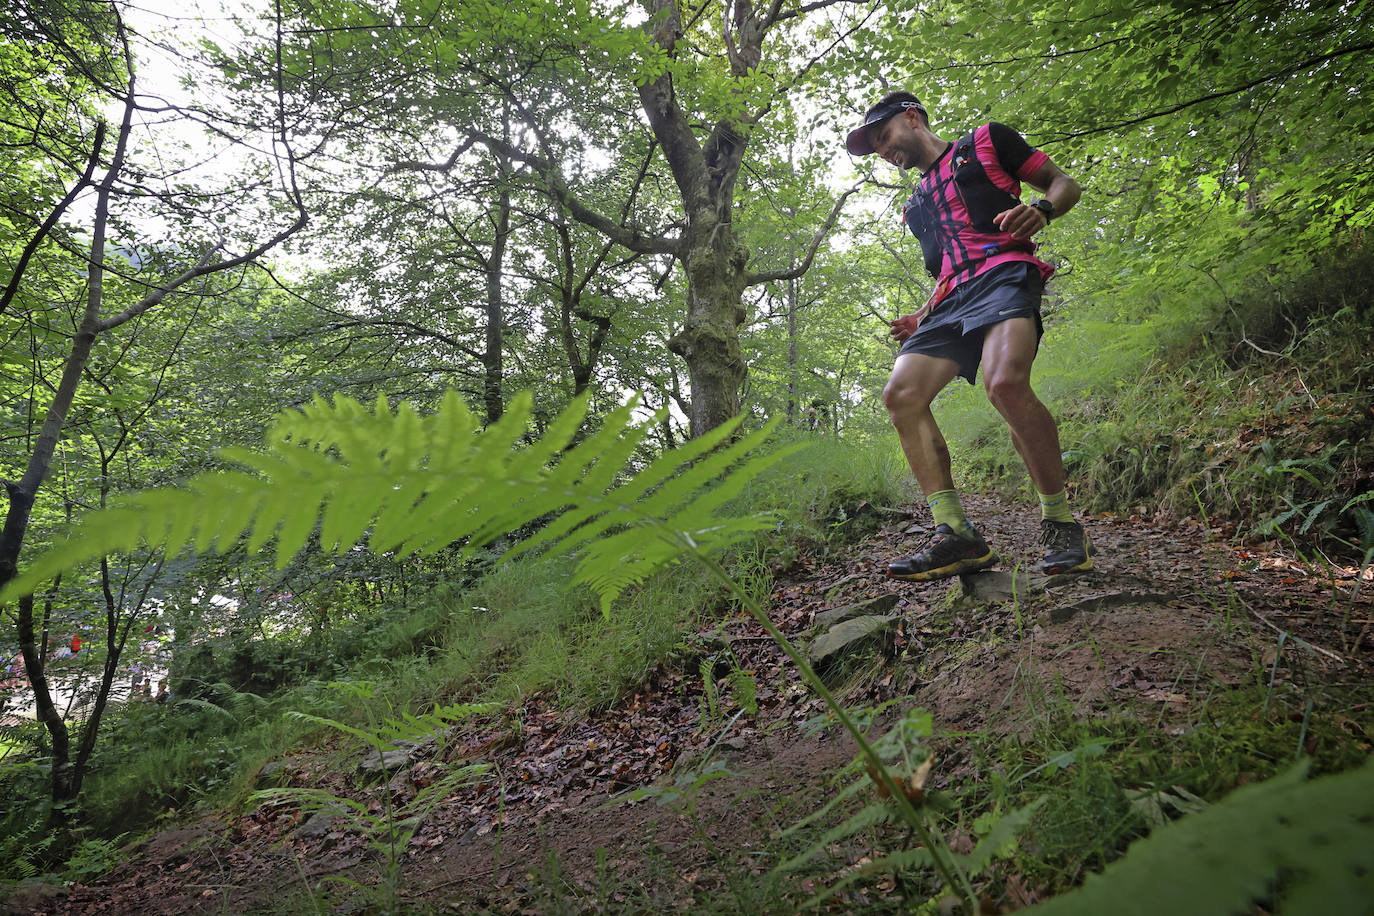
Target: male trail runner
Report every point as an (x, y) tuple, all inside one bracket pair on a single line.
[(975, 235)]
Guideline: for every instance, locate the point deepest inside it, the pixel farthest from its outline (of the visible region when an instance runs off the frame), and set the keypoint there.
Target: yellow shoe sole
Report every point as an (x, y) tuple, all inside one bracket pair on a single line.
[(957, 568)]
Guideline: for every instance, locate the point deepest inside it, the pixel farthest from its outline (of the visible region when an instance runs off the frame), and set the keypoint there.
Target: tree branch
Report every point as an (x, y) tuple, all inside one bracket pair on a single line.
[(13, 286), (406, 325), (205, 265), (1235, 90), (798, 269), (557, 188), (445, 166), (805, 8), (681, 150)]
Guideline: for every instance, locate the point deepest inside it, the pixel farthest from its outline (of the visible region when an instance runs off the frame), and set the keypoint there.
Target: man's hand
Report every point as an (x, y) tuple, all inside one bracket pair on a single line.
[(1022, 221), (903, 327)]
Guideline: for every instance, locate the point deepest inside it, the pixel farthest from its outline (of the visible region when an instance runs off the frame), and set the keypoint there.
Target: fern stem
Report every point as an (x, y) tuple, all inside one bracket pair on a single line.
[(949, 869)]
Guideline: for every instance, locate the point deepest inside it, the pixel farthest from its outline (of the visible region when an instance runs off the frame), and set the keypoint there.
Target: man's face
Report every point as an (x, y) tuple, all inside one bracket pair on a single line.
[(895, 140)]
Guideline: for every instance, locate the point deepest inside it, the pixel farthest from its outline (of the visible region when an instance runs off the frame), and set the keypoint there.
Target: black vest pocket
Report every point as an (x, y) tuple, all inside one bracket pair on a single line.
[(920, 219), (981, 198)]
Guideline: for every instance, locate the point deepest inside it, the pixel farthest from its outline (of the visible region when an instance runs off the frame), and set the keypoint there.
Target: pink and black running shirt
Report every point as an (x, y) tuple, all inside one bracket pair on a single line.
[(952, 209)]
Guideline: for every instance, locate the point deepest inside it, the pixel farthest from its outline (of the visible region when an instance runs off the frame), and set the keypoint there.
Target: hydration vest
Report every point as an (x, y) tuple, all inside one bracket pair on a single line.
[(951, 213)]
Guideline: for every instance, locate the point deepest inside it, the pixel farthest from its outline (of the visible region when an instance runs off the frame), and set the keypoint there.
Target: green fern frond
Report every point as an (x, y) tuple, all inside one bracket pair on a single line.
[(405, 483), (874, 814), (837, 800), (196, 703), (1001, 839), (585, 470), (663, 468), (1316, 837), (671, 507), (317, 800), (404, 727), (411, 727)]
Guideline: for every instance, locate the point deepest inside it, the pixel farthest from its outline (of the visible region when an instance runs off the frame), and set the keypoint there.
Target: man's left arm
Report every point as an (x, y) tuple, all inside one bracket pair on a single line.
[(1023, 220)]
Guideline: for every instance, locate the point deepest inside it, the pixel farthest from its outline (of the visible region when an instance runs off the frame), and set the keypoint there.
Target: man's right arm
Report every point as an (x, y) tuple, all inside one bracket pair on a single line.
[(1056, 187), (1023, 220)]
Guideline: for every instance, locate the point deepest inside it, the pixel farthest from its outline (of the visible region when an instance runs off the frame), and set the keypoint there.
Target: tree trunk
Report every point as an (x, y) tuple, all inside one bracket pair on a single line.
[(492, 361), (793, 388), (22, 495), (715, 263), (42, 695)]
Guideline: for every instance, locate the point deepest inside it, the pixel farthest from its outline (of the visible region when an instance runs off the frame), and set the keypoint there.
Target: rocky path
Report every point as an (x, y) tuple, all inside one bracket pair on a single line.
[(1169, 616)]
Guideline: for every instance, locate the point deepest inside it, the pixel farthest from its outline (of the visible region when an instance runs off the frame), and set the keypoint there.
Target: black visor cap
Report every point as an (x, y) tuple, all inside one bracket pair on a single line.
[(858, 143)]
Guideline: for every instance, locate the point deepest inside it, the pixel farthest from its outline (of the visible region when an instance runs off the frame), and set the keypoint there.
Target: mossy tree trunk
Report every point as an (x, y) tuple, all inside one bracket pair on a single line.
[(715, 264)]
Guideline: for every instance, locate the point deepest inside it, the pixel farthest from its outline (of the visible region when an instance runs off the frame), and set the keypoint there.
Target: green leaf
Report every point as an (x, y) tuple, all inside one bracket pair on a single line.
[(1000, 841), (1316, 838), (420, 483)]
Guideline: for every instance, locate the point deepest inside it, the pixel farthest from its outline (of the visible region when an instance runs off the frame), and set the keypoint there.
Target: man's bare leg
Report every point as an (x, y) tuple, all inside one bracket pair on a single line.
[(954, 547), (916, 380), (1008, 351)]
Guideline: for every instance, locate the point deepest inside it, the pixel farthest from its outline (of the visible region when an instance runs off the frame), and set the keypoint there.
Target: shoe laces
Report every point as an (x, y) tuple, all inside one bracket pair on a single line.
[(935, 539)]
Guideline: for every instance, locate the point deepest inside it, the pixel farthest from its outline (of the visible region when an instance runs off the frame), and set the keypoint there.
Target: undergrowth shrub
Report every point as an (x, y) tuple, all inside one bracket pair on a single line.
[(267, 664), (157, 759), (1109, 782), (830, 492), (25, 837)]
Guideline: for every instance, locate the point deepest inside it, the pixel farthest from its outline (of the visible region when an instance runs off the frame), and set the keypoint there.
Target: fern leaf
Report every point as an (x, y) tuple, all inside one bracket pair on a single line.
[(708, 469), (205, 705), (866, 818), (348, 513), (411, 727), (823, 813), (893, 862), (582, 475), (319, 800), (625, 504), (397, 519), (654, 475), (1002, 836), (231, 505), (179, 530), (297, 524), (560, 432), (418, 483), (335, 724), (1318, 836), (453, 427)]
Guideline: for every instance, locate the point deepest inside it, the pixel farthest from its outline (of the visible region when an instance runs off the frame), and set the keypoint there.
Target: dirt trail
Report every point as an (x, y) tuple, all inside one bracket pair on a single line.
[(1167, 617)]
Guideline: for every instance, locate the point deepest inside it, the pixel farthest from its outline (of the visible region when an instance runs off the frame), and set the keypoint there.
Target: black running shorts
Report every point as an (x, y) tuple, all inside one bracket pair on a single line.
[(955, 330)]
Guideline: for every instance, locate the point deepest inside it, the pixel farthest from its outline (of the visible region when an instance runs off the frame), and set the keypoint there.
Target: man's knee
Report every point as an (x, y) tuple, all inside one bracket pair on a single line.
[(902, 396), (1009, 391)]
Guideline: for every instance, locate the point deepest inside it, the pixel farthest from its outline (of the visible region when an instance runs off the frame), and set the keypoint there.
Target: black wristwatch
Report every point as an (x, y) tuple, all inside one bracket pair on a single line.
[(1045, 207)]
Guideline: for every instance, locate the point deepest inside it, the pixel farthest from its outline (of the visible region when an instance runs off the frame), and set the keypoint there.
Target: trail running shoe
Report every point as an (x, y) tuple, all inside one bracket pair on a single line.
[(1067, 548), (945, 554)]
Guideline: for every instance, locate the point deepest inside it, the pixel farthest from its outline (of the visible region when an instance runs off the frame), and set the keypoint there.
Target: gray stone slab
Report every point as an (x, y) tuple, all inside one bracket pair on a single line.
[(850, 637), (840, 586), (1062, 613), (396, 758), (275, 772), (873, 607), (998, 586), (321, 822)]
